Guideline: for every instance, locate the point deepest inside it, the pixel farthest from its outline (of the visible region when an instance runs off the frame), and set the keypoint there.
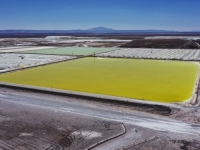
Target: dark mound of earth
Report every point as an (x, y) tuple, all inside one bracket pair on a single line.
[(163, 43)]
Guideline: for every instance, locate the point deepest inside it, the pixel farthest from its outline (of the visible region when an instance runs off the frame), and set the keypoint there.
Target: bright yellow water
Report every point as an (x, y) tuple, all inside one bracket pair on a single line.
[(162, 81)]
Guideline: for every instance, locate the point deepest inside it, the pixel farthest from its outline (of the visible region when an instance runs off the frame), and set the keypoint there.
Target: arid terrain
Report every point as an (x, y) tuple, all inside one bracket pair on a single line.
[(33, 119), (42, 121), (164, 43)]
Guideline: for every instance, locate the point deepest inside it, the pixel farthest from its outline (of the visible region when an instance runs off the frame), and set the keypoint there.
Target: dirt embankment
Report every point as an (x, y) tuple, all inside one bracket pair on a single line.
[(163, 43)]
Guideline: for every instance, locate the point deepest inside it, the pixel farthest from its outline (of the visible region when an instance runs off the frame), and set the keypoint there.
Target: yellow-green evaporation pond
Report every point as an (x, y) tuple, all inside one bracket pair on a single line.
[(153, 80)]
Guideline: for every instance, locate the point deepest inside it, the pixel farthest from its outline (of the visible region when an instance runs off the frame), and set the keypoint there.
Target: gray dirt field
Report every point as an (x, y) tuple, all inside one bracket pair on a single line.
[(41, 121), (29, 127)]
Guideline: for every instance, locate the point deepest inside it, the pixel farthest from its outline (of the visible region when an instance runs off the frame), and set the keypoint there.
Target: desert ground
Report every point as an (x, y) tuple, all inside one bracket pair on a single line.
[(46, 118)]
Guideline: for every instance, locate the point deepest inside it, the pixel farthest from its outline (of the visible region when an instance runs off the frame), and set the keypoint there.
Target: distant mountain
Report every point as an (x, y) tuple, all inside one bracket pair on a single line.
[(100, 29), (96, 30)]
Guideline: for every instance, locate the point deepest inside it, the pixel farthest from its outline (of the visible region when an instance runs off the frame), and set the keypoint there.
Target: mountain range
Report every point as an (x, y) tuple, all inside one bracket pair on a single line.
[(96, 30)]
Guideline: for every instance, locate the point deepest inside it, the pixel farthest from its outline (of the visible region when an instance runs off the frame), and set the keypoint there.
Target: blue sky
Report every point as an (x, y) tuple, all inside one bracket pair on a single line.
[(181, 15)]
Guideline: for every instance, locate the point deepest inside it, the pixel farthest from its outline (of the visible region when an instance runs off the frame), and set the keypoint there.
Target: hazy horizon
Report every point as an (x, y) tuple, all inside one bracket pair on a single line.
[(177, 15), (97, 27)]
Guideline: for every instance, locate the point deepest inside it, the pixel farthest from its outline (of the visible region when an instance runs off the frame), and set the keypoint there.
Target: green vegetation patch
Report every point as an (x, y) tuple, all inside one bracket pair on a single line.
[(70, 51), (153, 80)]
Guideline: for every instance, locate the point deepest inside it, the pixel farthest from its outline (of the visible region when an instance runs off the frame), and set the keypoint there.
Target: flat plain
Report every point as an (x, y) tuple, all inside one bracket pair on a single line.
[(154, 80)]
